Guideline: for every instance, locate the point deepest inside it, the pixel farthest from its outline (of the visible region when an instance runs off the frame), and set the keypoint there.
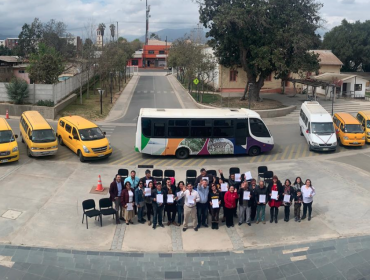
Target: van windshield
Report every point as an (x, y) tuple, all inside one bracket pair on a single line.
[(91, 134), (6, 136), (353, 128), (43, 136), (368, 124), (322, 128)]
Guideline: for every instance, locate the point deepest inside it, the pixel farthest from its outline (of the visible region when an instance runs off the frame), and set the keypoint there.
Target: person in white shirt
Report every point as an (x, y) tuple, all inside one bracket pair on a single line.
[(190, 207), (308, 193)]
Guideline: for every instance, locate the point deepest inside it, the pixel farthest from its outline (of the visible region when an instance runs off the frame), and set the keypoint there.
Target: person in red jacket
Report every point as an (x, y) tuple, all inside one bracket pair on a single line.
[(128, 202), (275, 203), (230, 205)]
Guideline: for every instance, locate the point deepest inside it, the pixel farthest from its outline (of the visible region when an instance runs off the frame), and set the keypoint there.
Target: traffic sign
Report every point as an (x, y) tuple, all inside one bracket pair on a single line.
[(196, 81)]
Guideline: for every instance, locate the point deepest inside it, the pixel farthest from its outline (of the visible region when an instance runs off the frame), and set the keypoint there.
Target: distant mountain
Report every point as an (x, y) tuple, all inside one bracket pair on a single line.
[(3, 37), (172, 34)]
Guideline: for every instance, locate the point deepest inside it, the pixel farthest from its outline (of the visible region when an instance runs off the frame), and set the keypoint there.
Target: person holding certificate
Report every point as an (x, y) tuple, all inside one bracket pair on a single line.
[(261, 199), (159, 198), (275, 195), (202, 205), (128, 202), (148, 201), (180, 202), (215, 202), (308, 193), (230, 204), (140, 202), (190, 209), (288, 197), (170, 206), (221, 187), (246, 199)]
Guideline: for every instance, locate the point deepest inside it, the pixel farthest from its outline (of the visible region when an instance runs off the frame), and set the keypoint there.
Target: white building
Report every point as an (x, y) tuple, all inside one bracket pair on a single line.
[(2, 43), (99, 39)]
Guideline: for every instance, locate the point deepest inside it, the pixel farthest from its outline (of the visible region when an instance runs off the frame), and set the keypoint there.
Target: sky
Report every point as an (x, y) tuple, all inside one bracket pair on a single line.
[(130, 14)]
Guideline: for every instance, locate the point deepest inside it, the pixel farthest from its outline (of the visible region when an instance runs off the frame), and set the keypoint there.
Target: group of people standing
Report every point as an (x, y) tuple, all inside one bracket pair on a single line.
[(207, 196)]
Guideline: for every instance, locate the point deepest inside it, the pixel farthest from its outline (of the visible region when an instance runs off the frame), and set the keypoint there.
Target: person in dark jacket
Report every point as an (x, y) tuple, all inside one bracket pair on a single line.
[(140, 202), (180, 203), (288, 190), (115, 190), (222, 180), (253, 184), (147, 177), (170, 208), (127, 199), (203, 174), (213, 195), (158, 206), (245, 203), (274, 204), (148, 202), (260, 193), (298, 201)]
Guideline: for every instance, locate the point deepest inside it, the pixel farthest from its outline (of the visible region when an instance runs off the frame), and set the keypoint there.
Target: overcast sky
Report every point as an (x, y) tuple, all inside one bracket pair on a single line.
[(130, 14)]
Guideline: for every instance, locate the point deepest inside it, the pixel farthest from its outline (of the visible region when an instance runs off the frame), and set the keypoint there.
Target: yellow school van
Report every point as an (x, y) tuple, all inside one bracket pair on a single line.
[(83, 137), (8, 144), (37, 134)]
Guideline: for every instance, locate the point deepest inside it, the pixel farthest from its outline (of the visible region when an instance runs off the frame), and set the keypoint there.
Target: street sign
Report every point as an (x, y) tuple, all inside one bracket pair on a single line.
[(196, 81)]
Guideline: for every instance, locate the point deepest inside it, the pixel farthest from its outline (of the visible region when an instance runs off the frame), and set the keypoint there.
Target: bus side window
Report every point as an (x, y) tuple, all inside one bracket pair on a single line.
[(159, 129), (146, 127), (258, 128), (241, 132)]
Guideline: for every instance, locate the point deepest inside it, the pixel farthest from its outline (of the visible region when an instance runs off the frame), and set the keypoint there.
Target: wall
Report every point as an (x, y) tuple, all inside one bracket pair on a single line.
[(23, 76), (329, 69)]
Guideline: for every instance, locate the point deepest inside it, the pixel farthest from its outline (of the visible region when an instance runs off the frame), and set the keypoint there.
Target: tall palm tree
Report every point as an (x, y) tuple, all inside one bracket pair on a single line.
[(101, 27), (112, 28)]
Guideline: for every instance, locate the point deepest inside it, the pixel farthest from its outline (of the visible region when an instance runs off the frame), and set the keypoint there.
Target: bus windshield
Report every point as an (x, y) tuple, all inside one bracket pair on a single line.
[(322, 128), (43, 136), (353, 128), (91, 134), (6, 136)]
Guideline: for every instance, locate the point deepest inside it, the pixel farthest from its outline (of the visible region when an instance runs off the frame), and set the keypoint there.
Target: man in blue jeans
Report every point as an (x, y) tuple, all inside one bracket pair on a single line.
[(202, 205), (139, 201), (158, 206)]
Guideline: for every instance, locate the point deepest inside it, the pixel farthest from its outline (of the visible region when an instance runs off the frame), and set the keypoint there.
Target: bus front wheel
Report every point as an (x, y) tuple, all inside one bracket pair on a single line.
[(182, 153), (254, 151)]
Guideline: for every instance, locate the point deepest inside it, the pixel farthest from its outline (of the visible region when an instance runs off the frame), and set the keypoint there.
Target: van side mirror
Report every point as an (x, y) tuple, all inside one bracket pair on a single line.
[(307, 131), (104, 133), (15, 135)]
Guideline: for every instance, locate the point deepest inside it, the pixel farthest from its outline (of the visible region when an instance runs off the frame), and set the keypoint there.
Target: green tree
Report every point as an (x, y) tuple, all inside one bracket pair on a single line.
[(264, 37), (45, 65), (350, 42), (17, 90), (29, 38), (5, 51), (101, 27), (137, 44), (112, 28)]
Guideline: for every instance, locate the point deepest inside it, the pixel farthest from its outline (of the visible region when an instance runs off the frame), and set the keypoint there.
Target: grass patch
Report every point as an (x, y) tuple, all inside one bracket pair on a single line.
[(206, 98), (367, 93), (90, 107)]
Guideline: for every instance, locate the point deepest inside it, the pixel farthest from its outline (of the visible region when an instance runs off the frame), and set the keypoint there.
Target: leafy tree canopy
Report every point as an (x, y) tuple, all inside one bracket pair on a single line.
[(350, 42), (5, 51), (17, 90), (262, 36)]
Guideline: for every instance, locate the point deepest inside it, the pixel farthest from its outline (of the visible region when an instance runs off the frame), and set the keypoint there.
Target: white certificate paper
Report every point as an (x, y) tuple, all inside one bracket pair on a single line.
[(148, 192), (237, 177), (248, 175), (170, 198), (274, 195), (287, 198), (262, 198), (191, 199), (215, 203), (224, 187), (147, 182), (246, 195), (159, 198), (178, 194), (129, 207)]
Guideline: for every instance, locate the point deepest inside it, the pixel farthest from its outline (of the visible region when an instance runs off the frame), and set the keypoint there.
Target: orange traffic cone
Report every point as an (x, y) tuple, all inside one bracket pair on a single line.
[(7, 115), (99, 187)]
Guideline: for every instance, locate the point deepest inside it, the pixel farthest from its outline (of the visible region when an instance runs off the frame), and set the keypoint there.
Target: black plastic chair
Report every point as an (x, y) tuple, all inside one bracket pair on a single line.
[(106, 203), (190, 181), (261, 172), (191, 176), (234, 170), (123, 173), (268, 177), (212, 172), (169, 173), (157, 175), (88, 207)]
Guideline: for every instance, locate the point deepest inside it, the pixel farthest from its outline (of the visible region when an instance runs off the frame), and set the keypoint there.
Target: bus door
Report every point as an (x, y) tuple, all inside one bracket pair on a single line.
[(241, 132), (159, 141)]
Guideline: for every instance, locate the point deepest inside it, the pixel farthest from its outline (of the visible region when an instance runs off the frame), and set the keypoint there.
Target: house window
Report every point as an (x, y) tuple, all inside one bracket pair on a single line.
[(21, 71), (161, 52), (233, 74), (358, 87), (268, 78), (135, 62), (150, 52)]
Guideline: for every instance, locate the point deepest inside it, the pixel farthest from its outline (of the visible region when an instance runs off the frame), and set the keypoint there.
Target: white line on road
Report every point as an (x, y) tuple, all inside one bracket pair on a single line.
[(295, 250)]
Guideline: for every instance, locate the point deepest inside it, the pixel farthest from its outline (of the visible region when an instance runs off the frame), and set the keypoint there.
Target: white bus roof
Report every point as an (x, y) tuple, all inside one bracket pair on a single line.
[(317, 112), (198, 113)]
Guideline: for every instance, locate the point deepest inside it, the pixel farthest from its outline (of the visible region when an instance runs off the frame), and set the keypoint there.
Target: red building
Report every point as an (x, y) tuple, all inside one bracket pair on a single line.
[(152, 55)]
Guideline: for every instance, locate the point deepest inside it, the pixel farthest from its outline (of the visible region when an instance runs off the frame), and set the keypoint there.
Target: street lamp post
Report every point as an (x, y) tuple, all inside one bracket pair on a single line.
[(101, 92)]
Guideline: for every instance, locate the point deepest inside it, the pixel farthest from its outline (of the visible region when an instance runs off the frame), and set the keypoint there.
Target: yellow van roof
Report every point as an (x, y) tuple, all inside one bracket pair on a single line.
[(4, 124), (36, 120), (347, 118), (366, 113), (79, 122)]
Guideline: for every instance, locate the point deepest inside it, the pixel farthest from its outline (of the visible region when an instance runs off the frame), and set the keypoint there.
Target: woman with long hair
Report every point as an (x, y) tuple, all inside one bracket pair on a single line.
[(297, 184), (148, 202), (213, 196), (308, 192), (127, 198), (275, 202), (180, 203), (288, 190)]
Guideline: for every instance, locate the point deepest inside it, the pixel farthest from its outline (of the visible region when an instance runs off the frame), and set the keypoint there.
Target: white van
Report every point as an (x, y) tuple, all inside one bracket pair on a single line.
[(316, 125)]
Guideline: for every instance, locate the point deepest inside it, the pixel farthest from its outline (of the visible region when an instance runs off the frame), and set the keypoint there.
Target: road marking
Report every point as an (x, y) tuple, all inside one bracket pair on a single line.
[(123, 158), (299, 258), (291, 152), (284, 153), (253, 159), (304, 151), (299, 150), (261, 158), (268, 158), (161, 161), (190, 161), (133, 160), (295, 250), (227, 159), (202, 162), (276, 156)]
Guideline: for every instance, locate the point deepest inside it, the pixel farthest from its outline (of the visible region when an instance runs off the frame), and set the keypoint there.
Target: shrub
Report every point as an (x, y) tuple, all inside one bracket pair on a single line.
[(47, 103), (17, 90)]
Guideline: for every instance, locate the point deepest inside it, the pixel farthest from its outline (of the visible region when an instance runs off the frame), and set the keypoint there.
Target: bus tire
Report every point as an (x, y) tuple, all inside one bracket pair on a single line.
[(300, 130), (182, 153), (80, 155), (60, 141), (254, 151)]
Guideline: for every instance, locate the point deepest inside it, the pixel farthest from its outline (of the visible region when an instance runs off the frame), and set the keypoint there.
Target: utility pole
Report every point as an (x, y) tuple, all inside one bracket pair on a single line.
[(165, 53), (117, 31), (147, 16)]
